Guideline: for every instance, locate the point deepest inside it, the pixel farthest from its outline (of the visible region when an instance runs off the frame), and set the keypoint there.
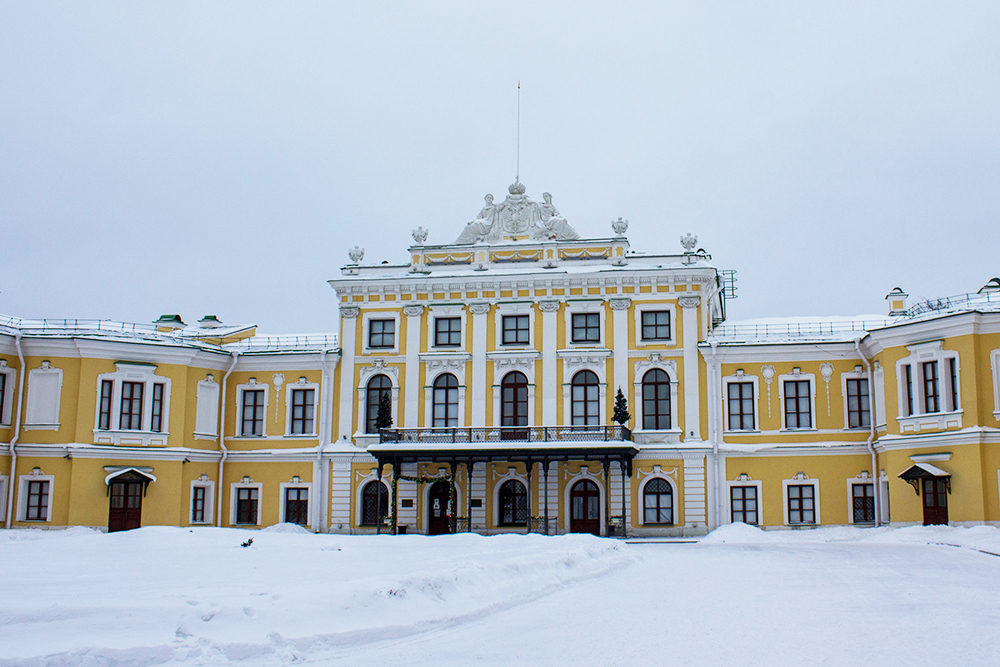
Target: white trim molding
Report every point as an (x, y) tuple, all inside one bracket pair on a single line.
[(209, 514), (44, 397), (858, 373), (296, 483), (995, 368), (585, 306), (640, 367), (245, 483), (739, 378), (36, 475), (571, 480), (10, 387), (300, 384), (498, 481), (251, 385), (918, 420), (797, 376), (864, 477), (661, 306), (743, 480), (114, 435), (366, 319), (670, 476), (800, 479)]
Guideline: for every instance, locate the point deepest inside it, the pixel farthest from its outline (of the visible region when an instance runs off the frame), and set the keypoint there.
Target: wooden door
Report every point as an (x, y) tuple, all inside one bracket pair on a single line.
[(585, 508), (935, 501), (438, 499), (125, 512)]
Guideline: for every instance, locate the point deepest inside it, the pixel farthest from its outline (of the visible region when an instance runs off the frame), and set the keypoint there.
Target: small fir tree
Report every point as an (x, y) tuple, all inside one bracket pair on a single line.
[(383, 418), (621, 409)]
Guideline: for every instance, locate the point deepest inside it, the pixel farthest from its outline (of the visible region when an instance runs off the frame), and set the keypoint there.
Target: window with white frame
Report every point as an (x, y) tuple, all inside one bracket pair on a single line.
[(657, 502), (44, 394), (35, 497), (295, 502), (801, 500), (585, 322), (207, 415), (245, 503), (447, 331), (995, 366), (133, 405), (202, 500), (744, 504), (797, 393), (862, 502), (301, 401), (8, 378), (656, 395), (654, 323), (381, 333), (585, 399), (516, 329), (929, 386), (930, 380), (445, 401), (586, 328), (741, 404), (252, 398), (857, 403)]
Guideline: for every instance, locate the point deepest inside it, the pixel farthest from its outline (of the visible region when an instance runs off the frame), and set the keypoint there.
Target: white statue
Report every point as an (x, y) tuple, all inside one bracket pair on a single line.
[(552, 225), (480, 228)]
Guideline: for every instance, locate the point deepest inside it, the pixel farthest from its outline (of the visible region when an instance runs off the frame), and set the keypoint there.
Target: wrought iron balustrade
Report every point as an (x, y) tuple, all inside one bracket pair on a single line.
[(512, 434)]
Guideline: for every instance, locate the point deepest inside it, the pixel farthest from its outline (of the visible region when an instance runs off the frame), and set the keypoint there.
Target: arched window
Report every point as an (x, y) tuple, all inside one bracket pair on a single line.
[(656, 400), (658, 501), (514, 405), (371, 505), (586, 401), (513, 504), (377, 387), (445, 401)]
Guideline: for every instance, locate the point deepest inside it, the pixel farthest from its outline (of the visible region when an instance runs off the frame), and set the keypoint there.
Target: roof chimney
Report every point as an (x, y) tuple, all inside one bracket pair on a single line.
[(210, 322), (169, 323), (897, 302)]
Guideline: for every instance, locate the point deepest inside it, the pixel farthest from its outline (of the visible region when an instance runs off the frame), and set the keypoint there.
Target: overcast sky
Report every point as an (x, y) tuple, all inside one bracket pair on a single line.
[(221, 158)]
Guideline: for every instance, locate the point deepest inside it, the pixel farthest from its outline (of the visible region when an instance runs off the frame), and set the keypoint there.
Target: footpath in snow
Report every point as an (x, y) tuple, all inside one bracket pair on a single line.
[(160, 594)]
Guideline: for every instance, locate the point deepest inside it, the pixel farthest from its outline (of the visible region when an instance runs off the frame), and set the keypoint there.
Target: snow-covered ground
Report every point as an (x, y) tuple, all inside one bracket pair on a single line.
[(839, 596)]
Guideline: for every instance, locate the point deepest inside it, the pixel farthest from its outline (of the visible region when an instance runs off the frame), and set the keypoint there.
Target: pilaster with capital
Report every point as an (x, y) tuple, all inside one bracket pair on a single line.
[(348, 337), (478, 344), (411, 389), (550, 390), (692, 397), (620, 317)]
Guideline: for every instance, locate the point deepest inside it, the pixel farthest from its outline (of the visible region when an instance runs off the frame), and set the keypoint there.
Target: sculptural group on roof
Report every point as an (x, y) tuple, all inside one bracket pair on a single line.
[(517, 216)]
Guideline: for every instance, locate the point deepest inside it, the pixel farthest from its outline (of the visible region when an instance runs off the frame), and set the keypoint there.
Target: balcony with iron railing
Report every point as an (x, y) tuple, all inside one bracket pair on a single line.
[(505, 434)]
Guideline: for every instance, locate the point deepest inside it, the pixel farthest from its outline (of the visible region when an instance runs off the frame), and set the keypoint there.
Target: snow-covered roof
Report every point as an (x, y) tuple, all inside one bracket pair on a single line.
[(800, 329)]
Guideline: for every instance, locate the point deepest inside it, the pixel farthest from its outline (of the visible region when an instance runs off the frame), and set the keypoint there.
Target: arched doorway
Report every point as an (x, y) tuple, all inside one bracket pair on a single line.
[(585, 508), (439, 505)]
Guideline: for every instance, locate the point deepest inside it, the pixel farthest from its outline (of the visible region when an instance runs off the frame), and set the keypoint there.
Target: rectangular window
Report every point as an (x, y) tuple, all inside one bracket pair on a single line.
[(863, 502), (38, 502), (656, 325), (156, 420), (131, 414), (953, 374), (3, 395), (448, 331), (587, 328), (908, 375), (104, 423), (302, 411), (801, 507), (381, 333), (932, 401), (744, 504), (798, 404), (246, 506), (198, 505), (515, 329), (253, 412), (741, 406), (858, 404), (297, 506)]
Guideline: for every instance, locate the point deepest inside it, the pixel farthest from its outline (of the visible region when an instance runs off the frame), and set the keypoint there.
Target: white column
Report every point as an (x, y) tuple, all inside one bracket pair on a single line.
[(340, 494), (348, 321), (619, 311), (692, 398), (695, 515), (478, 344), (550, 390), (411, 393)]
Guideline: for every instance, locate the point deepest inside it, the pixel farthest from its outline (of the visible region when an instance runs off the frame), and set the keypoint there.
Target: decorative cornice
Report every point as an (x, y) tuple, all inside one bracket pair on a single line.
[(548, 306), (413, 311), (349, 312), (479, 308)]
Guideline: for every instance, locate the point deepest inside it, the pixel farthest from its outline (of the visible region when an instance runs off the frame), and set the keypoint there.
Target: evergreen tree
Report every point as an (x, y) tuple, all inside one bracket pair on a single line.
[(383, 418), (621, 409)]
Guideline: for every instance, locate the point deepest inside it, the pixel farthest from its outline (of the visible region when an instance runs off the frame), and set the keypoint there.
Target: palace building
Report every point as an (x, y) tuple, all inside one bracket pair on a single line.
[(475, 387)]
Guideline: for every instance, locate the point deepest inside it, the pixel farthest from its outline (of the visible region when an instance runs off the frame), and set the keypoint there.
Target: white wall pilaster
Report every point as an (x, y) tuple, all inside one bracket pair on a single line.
[(619, 311), (478, 345), (550, 389), (348, 325), (692, 396), (411, 392)]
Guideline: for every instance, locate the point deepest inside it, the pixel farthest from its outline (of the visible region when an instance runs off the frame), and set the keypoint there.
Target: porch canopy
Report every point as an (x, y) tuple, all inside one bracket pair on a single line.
[(142, 475), (919, 471), (529, 445)]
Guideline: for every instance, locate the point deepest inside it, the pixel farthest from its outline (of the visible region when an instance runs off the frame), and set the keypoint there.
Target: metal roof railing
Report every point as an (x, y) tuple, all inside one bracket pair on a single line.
[(801, 330), (989, 299), (287, 342)]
